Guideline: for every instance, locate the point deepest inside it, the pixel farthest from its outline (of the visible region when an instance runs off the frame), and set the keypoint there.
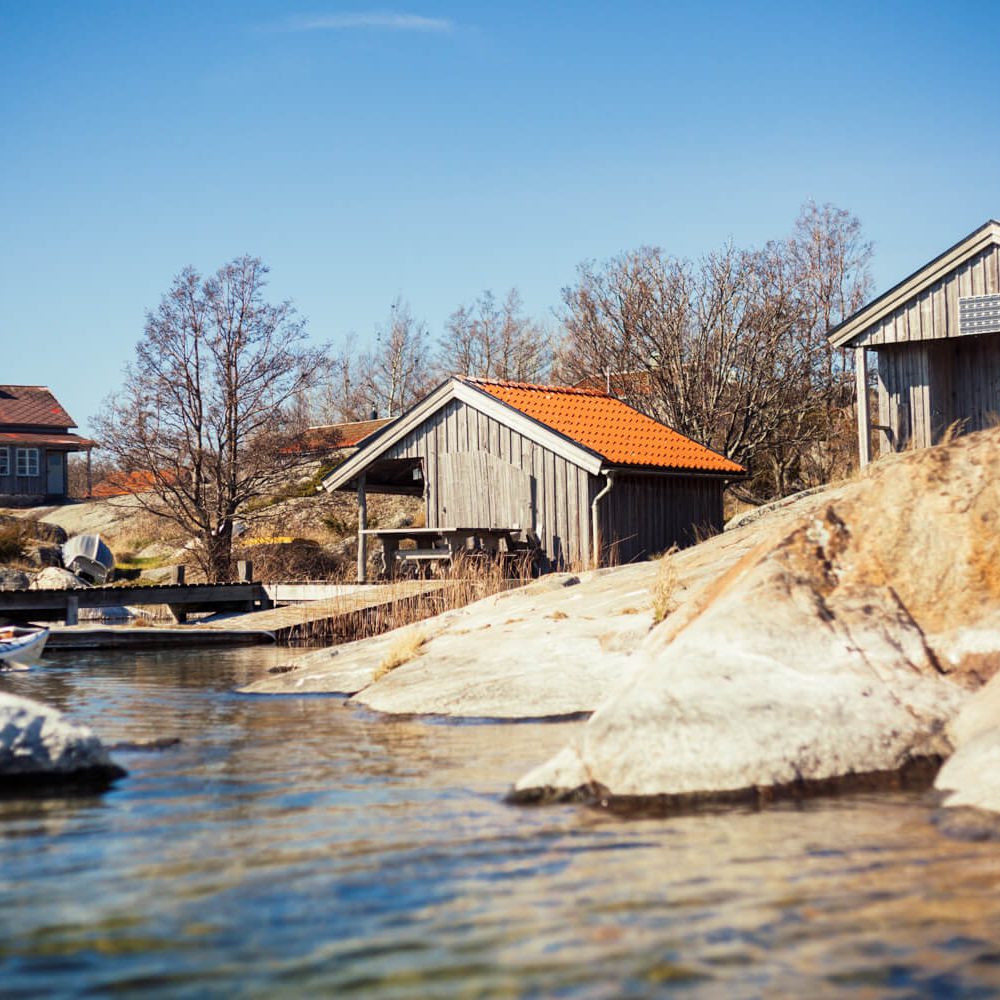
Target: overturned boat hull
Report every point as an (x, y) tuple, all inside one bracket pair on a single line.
[(89, 558)]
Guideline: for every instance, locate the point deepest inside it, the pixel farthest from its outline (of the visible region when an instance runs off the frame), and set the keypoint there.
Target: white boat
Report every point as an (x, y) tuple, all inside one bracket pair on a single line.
[(21, 648)]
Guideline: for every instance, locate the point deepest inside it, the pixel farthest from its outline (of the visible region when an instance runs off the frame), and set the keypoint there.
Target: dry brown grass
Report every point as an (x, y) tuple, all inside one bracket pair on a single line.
[(14, 537), (665, 587), (405, 602), (402, 650), (702, 532)]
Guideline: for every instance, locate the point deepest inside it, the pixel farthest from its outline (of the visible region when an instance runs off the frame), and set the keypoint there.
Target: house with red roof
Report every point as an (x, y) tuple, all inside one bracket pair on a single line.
[(328, 439), (35, 440), (592, 479)]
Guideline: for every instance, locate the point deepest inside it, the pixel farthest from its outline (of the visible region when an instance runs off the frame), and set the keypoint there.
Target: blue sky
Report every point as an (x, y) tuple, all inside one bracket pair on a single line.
[(434, 150)]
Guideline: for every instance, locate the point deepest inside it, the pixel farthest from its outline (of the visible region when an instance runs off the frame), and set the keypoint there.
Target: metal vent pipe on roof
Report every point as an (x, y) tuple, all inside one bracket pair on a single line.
[(594, 522)]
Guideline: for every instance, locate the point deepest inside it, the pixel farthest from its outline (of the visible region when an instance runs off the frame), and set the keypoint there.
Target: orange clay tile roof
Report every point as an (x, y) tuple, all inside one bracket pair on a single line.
[(609, 427)]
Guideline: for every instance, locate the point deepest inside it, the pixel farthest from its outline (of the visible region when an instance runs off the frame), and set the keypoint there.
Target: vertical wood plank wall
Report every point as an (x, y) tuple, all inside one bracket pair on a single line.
[(28, 486), (480, 473), (644, 515), (928, 375)]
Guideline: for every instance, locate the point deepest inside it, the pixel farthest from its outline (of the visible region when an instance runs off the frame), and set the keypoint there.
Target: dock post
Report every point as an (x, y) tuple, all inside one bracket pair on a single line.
[(72, 609), (177, 575), (244, 571), (362, 525)]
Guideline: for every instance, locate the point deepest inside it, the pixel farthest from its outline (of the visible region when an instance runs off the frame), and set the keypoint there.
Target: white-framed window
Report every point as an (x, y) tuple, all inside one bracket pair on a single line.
[(27, 461), (4, 461)]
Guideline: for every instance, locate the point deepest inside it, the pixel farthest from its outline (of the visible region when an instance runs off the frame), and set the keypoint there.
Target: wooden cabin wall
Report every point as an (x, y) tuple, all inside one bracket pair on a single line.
[(933, 315), (644, 515), (479, 473), (14, 488), (924, 388)]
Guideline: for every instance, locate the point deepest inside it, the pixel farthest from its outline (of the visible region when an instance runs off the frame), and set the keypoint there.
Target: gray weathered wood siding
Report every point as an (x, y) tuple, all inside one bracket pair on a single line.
[(479, 473), (933, 315), (924, 388), (13, 485), (644, 515)]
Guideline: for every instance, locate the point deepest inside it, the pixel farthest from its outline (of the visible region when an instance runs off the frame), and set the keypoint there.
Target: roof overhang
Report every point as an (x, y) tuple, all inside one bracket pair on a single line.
[(54, 442), (349, 471), (645, 470), (855, 326)]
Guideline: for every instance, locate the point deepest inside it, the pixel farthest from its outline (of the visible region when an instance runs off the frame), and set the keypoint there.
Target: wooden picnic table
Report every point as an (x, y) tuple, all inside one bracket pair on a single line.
[(440, 544)]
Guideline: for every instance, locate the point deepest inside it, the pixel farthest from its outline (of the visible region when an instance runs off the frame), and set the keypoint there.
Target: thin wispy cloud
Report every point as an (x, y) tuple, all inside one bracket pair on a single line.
[(372, 22)]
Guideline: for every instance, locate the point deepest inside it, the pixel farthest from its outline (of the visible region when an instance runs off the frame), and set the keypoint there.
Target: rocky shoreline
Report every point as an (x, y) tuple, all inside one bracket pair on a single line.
[(827, 645), (844, 640)]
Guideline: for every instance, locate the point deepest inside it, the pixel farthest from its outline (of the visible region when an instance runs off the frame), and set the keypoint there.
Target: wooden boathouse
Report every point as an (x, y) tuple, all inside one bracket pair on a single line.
[(936, 338), (588, 477)]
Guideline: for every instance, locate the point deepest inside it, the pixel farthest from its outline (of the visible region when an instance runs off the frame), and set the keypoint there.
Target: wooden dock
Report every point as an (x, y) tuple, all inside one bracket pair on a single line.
[(351, 611), (304, 612), (23, 606)]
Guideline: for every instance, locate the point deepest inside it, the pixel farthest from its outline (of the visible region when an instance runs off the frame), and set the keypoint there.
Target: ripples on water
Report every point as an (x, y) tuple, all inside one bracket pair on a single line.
[(292, 846)]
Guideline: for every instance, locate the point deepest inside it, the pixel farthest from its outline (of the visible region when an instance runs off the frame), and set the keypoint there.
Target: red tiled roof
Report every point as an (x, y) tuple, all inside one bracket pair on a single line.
[(609, 427), (121, 483), (32, 405), (345, 435)]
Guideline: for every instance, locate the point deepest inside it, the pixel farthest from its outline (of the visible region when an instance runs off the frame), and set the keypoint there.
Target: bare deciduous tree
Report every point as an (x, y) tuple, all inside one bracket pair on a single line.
[(398, 371), (495, 340), (204, 404), (730, 350)]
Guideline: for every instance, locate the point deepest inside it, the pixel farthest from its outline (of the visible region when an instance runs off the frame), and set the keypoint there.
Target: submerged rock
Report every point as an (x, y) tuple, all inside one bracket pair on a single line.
[(39, 747), (820, 658)]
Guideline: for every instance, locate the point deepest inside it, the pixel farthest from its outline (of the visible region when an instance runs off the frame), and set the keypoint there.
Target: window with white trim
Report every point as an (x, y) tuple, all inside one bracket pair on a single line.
[(27, 461), (4, 461)]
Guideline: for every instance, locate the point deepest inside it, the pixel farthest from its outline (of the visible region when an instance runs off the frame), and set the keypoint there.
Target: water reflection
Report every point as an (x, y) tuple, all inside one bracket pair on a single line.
[(295, 845)]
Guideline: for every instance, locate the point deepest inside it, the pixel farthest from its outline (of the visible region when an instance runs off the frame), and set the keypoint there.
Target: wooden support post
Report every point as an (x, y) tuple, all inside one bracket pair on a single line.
[(864, 418), (72, 609), (362, 525), (90, 475), (177, 574), (179, 613), (244, 571)]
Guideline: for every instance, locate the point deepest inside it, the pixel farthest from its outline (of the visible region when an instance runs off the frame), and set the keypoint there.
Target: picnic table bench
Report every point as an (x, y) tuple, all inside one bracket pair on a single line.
[(441, 545)]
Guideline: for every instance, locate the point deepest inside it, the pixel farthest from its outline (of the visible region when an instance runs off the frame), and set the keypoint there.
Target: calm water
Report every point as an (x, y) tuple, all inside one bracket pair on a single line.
[(292, 846)]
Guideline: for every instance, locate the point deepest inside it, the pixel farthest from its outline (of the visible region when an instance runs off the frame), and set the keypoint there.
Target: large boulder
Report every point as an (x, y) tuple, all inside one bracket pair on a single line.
[(835, 654), (971, 776), (57, 578), (51, 533), (38, 746), (43, 555), (13, 579), (549, 650)]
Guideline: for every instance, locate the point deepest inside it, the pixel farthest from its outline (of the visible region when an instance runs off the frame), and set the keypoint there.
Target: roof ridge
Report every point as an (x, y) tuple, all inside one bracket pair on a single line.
[(570, 390)]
